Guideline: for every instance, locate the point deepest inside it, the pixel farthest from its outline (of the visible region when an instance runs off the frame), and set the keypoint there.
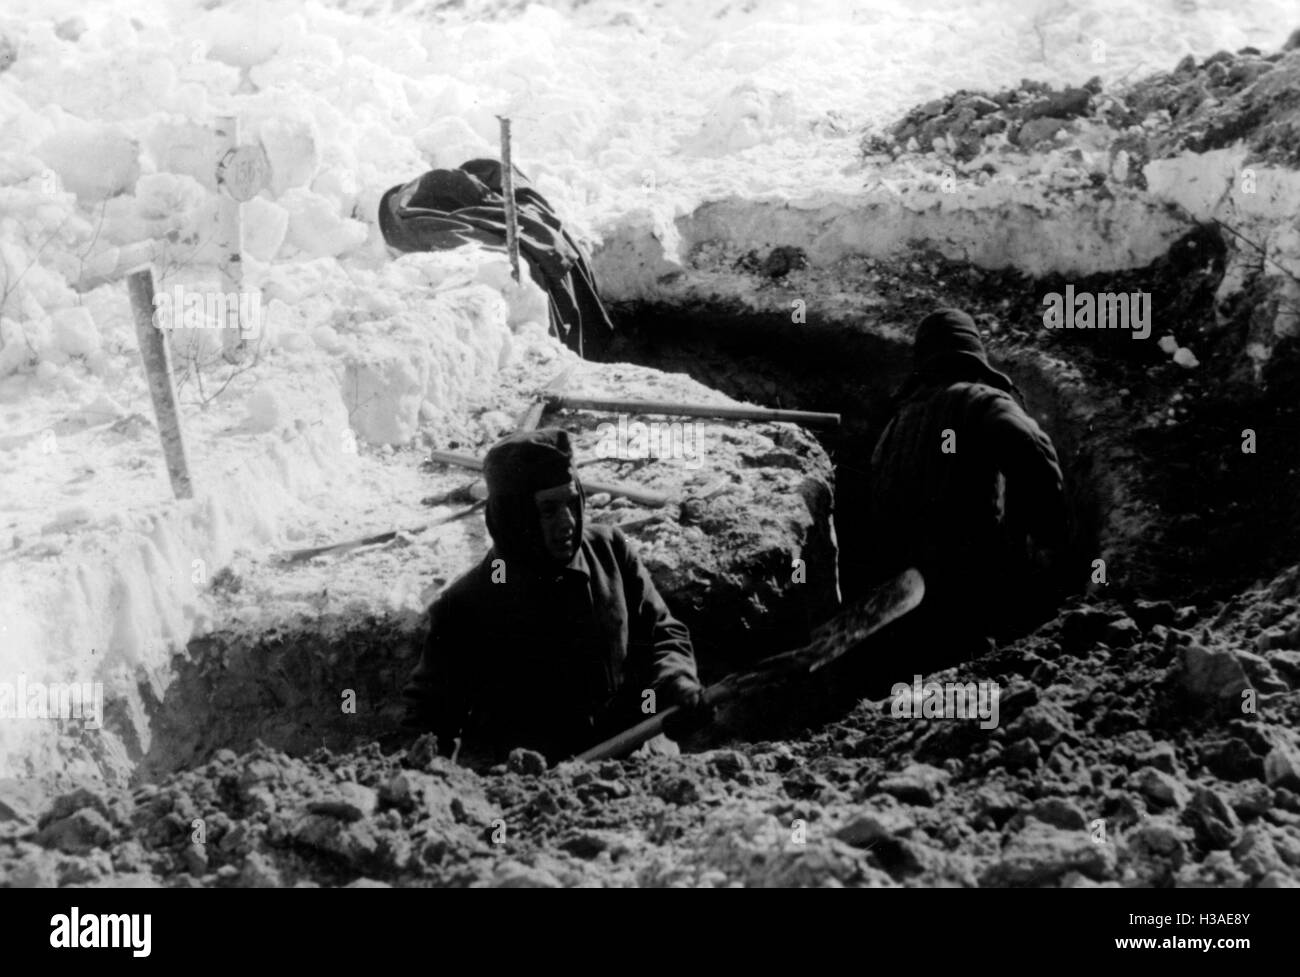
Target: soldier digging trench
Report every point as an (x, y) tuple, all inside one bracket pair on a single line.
[(554, 640), (967, 488)]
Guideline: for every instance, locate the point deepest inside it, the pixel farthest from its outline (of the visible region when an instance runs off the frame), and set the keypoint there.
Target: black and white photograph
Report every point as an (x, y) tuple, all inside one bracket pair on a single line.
[(466, 444)]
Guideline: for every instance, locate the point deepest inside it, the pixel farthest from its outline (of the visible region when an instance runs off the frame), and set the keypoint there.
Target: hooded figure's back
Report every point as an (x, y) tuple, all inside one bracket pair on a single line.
[(961, 477), (938, 493)]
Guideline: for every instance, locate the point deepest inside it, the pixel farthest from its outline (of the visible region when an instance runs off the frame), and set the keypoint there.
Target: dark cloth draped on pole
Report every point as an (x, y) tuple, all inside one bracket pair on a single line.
[(444, 209)]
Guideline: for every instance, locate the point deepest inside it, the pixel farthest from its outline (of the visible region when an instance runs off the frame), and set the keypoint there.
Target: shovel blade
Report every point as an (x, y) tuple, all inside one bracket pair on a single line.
[(846, 630)]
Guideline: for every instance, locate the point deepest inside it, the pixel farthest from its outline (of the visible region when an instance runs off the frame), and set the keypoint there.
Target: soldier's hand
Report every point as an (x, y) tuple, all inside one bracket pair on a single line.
[(692, 713)]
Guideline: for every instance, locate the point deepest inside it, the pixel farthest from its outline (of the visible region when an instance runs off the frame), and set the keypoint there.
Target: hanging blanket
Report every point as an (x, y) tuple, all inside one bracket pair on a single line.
[(444, 209)]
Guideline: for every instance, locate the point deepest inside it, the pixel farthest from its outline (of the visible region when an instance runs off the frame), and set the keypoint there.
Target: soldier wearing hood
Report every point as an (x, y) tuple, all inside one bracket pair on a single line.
[(552, 641), (967, 488)]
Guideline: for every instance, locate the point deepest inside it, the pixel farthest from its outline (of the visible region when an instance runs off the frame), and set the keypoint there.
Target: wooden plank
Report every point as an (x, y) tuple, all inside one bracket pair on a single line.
[(532, 417), (619, 406), (298, 556), (158, 368)]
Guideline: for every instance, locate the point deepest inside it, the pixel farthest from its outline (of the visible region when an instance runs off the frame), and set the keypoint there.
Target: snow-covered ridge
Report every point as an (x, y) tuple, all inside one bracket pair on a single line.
[(105, 576)]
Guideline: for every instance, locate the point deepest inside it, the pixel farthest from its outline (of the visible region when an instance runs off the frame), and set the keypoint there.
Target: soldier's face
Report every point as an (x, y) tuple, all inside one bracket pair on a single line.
[(558, 510)]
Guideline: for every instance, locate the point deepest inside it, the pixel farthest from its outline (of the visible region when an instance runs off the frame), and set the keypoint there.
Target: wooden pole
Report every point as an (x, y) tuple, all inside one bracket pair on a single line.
[(297, 556), (508, 192), (158, 368), (646, 497), (532, 417), (456, 458), (229, 234), (619, 406)]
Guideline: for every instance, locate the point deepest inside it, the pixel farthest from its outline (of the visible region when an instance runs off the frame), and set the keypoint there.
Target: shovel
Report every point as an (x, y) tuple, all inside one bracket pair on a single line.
[(890, 601)]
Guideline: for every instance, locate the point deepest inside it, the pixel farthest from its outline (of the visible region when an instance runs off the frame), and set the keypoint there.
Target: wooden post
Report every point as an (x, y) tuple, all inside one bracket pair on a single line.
[(158, 368), (229, 235), (508, 192), (297, 556)]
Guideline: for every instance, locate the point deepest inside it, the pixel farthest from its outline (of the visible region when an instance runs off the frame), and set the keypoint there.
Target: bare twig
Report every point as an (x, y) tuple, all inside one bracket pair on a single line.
[(81, 258), (1263, 251), (10, 286)]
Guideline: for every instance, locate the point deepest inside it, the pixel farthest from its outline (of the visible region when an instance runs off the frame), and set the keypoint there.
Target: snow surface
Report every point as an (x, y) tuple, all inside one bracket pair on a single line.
[(624, 115)]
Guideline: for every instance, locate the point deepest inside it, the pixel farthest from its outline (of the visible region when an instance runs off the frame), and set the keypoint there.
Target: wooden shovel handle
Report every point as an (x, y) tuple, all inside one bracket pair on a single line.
[(628, 740)]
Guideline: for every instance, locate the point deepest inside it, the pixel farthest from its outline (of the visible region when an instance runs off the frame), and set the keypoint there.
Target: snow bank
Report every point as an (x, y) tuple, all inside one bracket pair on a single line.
[(423, 364), (93, 161), (108, 589)]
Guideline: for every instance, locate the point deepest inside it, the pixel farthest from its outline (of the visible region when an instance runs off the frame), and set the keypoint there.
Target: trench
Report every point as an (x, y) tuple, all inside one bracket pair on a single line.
[(840, 367), (845, 367), (283, 688), (1132, 498)]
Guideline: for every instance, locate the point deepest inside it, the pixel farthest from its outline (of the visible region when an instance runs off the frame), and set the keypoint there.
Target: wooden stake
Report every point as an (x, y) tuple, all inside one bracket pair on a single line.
[(158, 368), (619, 406), (508, 192)]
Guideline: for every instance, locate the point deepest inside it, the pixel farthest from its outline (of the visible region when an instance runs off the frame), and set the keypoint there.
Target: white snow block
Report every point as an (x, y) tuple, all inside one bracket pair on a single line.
[(746, 116), (93, 161), (527, 300), (450, 141), (101, 409), (338, 184), (383, 391), (160, 196), (636, 253), (265, 224), (185, 148), (292, 147), (74, 331), (265, 412), (1195, 181), (316, 228), (69, 518), (326, 337), (242, 38)]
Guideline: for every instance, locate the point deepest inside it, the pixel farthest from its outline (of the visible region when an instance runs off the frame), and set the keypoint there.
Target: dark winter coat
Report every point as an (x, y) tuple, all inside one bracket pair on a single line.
[(554, 664), (964, 518), (525, 653), (444, 209)]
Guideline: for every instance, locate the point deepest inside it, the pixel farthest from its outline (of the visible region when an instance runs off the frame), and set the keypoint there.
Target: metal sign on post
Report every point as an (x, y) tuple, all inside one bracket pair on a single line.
[(244, 172)]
